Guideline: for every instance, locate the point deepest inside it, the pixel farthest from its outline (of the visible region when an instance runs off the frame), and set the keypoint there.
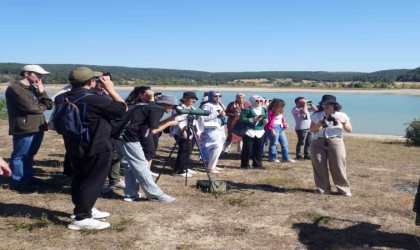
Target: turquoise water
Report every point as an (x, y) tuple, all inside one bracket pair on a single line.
[(382, 114)]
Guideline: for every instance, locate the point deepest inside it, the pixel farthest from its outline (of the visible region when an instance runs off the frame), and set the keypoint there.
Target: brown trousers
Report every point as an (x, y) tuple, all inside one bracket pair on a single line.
[(330, 157)]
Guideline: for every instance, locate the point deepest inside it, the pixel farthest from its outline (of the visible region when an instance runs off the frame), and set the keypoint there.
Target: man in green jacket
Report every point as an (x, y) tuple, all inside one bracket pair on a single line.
[(26, 103)]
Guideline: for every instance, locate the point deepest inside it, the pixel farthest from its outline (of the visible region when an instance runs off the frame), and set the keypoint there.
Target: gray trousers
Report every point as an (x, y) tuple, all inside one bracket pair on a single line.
[(332, 158)]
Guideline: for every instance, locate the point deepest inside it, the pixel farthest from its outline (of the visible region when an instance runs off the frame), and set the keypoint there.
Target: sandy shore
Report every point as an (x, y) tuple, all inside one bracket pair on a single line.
[(56, 87)]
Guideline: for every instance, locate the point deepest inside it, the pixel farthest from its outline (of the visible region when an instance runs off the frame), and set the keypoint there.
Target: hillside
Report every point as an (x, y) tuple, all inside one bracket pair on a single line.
[(136, 76)]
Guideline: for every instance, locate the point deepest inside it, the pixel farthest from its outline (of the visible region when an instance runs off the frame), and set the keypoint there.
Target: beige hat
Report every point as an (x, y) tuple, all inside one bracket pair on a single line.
[(34, 68), (82, 74)]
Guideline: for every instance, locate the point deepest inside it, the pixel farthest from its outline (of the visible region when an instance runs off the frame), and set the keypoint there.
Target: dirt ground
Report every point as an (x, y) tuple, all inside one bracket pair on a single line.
[(273, 208)]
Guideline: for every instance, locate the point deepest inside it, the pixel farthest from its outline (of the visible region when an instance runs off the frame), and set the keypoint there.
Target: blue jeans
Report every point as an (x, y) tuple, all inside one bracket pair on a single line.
[(281, 138), (25, 148), (136, 170)]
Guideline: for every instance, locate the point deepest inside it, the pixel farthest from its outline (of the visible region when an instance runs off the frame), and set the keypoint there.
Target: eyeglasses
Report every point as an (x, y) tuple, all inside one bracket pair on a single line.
[(217, 96), (259, 101)]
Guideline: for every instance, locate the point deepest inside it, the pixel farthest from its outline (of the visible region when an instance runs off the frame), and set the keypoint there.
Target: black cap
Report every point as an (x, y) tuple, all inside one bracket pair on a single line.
[(190, 95)]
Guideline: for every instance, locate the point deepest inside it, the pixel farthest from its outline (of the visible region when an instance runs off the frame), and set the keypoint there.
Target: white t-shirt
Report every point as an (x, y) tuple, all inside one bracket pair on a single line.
[(331, 130)]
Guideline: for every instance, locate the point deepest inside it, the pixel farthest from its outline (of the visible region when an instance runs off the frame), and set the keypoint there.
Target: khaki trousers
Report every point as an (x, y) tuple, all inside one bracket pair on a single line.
[(332, 157)]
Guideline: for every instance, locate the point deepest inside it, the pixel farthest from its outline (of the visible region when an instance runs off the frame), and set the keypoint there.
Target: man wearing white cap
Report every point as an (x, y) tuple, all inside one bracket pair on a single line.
[(26, 103)]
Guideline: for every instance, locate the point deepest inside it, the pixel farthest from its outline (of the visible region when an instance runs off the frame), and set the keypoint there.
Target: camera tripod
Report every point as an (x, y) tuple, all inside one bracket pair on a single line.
[(189, 129)]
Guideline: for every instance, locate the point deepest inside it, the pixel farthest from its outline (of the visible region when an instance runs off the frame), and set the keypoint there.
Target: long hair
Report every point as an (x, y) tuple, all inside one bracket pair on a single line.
[(277, 106), (133, 96)]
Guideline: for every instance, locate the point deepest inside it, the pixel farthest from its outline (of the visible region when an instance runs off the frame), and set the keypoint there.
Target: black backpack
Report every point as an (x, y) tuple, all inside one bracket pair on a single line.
[(119, 125), (68, 119)]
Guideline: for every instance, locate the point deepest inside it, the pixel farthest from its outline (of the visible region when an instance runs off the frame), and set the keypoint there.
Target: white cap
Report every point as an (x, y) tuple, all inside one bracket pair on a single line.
[(34, 68)]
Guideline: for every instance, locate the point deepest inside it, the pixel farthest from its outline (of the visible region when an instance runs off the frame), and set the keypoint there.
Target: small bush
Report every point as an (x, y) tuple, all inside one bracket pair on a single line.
[(3, 109), (412, 133)]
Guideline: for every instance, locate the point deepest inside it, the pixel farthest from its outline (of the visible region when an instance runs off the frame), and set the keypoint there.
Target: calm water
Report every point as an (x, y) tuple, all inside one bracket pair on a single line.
[(369, 113)]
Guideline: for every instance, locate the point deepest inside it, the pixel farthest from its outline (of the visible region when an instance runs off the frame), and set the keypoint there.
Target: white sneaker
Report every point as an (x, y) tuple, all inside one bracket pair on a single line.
[(132, 198), (290, 161), (219, 169), (190, 171), (90, 224), (96, 214), (154, 174), (163, 198), (119, 184), (186, 174)]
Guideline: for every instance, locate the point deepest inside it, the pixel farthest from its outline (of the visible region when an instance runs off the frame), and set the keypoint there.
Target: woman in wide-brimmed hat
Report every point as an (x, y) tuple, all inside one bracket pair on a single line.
[(179, 132), (328, 125)]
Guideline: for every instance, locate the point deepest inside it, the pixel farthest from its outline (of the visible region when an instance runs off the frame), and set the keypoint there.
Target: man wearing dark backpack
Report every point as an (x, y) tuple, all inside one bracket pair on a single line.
[(91, 155)]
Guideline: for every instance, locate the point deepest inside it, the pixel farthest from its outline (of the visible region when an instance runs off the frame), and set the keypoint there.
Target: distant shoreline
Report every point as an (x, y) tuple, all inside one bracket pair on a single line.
[(53, 88)]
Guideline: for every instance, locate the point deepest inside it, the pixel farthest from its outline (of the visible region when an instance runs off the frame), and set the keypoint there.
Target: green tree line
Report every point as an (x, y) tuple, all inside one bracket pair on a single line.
[(136, 76)]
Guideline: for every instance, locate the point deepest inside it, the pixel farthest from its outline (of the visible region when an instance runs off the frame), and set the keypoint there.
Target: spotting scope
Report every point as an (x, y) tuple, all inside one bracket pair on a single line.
[(181, 111)]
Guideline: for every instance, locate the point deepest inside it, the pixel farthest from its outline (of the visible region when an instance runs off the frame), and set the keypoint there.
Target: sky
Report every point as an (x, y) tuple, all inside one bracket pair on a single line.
[(214, 35)]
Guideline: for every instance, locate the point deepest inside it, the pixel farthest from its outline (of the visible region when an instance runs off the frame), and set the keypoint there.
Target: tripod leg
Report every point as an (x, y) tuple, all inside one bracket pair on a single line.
[(166, 163)]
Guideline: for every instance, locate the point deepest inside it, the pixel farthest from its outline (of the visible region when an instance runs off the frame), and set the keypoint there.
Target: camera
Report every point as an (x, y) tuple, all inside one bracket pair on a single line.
[(309, 102), (329, 118)]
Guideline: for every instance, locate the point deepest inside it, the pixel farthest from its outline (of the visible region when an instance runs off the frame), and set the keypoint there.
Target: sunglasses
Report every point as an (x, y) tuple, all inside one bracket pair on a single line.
[(259, 101), (217, 96)]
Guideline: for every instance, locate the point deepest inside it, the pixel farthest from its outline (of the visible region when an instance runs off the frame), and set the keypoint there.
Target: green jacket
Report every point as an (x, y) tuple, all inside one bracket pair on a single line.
[(25, 108), (250, 113)]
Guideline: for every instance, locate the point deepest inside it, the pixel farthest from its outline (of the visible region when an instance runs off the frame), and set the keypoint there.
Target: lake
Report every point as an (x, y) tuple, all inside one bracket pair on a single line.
[(381, 114)]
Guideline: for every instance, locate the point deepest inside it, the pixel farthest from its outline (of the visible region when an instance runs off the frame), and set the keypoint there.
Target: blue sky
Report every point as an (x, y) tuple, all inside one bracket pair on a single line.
[(216, 35)]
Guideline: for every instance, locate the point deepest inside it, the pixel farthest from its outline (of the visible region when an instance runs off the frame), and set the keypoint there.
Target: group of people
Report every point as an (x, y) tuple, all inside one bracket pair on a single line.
[(320, 135), (89, 158), (319, 130)]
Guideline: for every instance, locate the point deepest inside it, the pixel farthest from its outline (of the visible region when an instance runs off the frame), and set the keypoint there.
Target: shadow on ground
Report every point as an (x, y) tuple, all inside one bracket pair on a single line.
[(21, 210), (317, 235)]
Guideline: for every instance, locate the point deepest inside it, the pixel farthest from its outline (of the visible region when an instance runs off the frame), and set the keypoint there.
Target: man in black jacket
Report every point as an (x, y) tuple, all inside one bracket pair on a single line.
[(91, 159), (26, 104)]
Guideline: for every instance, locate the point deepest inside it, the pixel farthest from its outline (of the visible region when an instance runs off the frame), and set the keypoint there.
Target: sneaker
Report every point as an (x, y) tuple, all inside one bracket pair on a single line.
[(132, 198), (307, 157), (119, 184), (106, 189), (96, 214), (214, 171), (188, 175), (290, 161), (320, 191), (154, 174), (219, 169), (275, 161), (348, 194), (163, 198), (90, 224), (190, 171)]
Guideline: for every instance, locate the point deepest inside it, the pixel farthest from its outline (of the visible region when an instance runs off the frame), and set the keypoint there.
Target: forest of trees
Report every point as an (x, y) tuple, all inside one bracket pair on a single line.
[(137, 76)]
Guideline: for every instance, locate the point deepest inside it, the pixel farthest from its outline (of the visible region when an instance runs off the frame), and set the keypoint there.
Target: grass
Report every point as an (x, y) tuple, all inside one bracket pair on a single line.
[(39, 222), (264, 209)]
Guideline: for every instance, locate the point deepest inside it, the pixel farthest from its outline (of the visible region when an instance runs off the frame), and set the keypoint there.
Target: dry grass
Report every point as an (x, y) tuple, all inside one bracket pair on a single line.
[(264, 209)]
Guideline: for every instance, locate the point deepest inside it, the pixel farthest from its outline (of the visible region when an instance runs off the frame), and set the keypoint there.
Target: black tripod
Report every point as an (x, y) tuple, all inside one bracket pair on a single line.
[(189, 129)]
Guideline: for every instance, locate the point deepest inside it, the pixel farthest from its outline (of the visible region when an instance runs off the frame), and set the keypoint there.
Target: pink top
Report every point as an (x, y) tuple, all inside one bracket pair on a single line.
[(271, 119)]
